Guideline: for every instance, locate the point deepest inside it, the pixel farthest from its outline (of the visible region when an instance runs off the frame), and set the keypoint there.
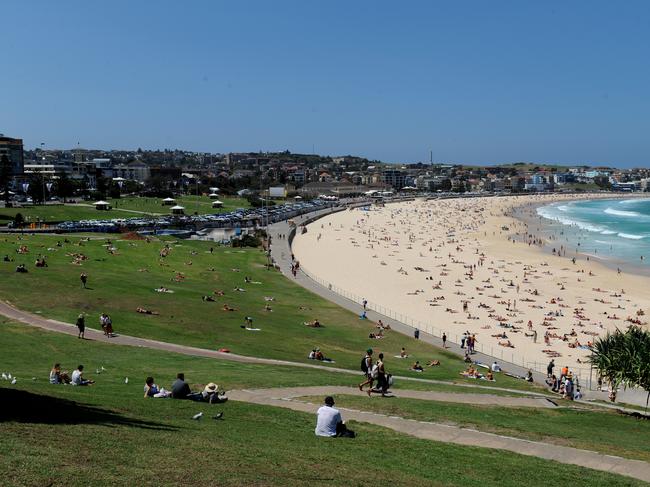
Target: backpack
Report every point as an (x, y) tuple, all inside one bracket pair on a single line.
[(364, 365)]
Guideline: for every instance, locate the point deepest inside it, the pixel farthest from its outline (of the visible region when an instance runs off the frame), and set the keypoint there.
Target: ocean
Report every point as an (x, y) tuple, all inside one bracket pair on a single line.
[(613, 230)]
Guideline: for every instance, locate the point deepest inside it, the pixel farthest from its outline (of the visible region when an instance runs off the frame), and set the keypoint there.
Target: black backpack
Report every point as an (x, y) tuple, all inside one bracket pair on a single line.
[(364, 365)]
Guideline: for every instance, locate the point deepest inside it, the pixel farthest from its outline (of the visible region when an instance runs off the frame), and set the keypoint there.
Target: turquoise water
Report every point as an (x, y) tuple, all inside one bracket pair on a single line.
[(607, 229)]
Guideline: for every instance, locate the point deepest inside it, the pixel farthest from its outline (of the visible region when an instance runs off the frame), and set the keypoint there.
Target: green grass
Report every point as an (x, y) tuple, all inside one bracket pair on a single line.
[(118, 287), (135, 206), (107, 434), (602, 430), (58, 213)]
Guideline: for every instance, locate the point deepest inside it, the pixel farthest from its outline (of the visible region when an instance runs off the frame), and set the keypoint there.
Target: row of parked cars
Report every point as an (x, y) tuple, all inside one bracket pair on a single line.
[(238, 218)]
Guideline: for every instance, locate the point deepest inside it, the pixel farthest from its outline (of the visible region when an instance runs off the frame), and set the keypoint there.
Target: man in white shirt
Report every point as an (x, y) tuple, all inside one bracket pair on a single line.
[(496, 367), (77, 377), (329, 422)]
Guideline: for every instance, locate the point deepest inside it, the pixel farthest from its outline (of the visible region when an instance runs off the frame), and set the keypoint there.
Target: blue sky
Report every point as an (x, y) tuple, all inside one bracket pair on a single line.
[(474, 81)]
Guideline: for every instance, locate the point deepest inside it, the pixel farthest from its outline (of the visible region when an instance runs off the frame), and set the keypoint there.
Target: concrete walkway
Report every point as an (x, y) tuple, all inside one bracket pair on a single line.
[(449, 434), (474, 399)]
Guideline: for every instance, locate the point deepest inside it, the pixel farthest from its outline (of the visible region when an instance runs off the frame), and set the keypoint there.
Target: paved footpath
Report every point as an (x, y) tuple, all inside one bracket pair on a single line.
[(283, 397)]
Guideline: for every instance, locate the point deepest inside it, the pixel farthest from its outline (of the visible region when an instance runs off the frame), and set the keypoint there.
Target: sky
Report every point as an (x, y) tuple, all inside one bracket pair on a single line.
[(479, 82)]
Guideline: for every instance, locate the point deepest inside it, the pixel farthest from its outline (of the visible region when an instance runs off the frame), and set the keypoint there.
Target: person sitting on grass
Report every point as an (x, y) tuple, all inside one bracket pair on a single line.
[(417, 367), (403, 353), (181, 390), (21, 269), (58, 377), (314, 324), (329, 422), (213, 395), (207, 298), (77, 377)]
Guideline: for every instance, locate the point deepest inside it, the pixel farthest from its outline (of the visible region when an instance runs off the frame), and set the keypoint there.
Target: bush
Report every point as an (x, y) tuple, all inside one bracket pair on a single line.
[(246, 241)]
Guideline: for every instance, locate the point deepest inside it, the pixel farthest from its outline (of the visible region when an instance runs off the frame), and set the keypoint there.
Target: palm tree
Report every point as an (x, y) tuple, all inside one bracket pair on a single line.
[(623, 358)]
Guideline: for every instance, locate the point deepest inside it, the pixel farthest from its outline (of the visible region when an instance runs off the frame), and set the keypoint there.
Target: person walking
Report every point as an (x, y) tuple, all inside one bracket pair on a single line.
[(549, 368), (444, 340), (382, 379), (366, 368), (81, 325), (84, 279), (416, 334)]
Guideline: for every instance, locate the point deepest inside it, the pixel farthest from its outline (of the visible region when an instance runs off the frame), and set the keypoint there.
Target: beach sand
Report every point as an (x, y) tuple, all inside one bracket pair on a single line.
[(466, 265)]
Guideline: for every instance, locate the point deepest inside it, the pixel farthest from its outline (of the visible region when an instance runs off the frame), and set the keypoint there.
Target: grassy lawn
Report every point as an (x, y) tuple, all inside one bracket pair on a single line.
[(602, 430), (134, 207), (107, 434), (120, 283), (59, 213)]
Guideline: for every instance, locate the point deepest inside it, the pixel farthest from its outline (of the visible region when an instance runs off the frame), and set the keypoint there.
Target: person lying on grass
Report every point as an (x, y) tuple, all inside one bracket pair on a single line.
[(314, 324), (145, 311)]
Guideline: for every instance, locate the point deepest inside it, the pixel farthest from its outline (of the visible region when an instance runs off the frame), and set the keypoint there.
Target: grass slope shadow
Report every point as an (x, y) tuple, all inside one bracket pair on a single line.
[(25, 407)]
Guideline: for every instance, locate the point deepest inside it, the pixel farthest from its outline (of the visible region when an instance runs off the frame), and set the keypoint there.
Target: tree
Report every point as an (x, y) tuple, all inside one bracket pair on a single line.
[(623, 358), (64, 187), (19, 220), (35, 189)]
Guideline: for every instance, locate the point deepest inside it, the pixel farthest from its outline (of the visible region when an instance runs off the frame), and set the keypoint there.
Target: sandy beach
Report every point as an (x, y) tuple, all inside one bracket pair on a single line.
[(467, 265)]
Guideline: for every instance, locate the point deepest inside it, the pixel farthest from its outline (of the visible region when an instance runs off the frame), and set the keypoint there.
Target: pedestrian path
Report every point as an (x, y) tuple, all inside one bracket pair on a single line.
[(284, 398)]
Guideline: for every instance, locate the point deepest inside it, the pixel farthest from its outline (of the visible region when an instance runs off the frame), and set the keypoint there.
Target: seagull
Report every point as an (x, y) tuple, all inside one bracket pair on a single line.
[(13, 381), (198, 416), (4, 376), (103, 369), (9, 376), (218, 416), (126, 380), (33, 378)]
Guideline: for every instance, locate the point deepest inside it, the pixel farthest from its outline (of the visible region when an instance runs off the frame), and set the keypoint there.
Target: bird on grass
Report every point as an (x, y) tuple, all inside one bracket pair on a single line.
[(126, 380), (4, 376), (198, 416), (218, 416), (13, 381)]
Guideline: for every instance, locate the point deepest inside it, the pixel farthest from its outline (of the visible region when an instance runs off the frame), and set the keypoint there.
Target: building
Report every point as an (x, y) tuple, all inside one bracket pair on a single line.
[(13, 149), (395, 178)]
